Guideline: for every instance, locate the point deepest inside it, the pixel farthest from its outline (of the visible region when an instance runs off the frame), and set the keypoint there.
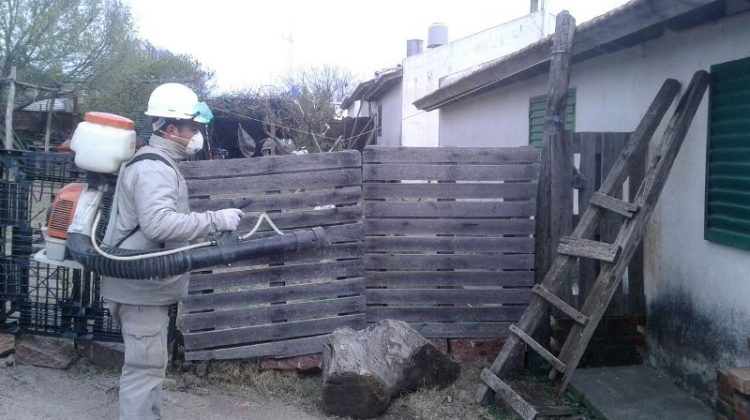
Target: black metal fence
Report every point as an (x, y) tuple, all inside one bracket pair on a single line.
[(34, 297)]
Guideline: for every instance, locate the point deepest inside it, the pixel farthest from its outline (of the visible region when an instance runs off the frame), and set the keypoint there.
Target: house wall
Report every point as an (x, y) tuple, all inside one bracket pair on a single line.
[(354, 108), (391, 106), (422, 72), (697, 292)]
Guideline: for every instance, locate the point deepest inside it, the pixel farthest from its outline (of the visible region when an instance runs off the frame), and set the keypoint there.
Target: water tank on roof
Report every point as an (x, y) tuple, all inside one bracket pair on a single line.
[(437, 35)]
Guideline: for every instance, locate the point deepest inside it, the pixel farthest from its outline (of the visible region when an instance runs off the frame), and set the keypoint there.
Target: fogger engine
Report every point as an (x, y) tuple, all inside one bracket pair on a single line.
[(77, 217)]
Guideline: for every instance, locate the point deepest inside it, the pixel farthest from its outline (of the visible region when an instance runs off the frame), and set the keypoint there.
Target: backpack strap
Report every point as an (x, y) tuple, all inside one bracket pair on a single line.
[(144, 156), (150, 156)]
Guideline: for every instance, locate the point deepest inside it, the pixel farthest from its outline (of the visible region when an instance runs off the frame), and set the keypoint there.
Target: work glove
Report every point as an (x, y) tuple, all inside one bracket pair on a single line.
[(227, 219)]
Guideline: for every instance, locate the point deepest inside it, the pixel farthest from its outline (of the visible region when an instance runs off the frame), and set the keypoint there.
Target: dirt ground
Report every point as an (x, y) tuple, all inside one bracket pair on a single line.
[(229, 391), (81, 392)]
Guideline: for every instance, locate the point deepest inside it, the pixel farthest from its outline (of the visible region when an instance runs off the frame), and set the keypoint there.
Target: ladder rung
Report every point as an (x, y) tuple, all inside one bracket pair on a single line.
[(577, 247), (560, 304), (554, 361), (614, 204), (511, 397)]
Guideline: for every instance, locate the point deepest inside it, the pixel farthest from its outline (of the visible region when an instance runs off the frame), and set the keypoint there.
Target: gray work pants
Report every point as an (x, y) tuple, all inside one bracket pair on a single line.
[(144, 331)]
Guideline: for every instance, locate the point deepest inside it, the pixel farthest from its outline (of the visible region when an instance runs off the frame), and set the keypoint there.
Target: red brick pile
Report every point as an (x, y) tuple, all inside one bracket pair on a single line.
[(733, 402)]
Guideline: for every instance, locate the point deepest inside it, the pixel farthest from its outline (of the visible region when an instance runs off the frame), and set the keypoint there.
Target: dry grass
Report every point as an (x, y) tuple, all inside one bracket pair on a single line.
[(304, 391)]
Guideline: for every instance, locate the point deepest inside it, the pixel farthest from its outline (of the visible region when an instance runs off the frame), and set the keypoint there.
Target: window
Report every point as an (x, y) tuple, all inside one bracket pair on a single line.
[(537, 110), (727, 220)]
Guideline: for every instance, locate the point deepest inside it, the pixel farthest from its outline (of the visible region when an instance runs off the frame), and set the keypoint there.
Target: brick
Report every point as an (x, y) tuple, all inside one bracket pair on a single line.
[(740, 403), (440, 343), (739, 379), (302, 364), (45, 352), (7, 344), (722, 378), (103, 354)]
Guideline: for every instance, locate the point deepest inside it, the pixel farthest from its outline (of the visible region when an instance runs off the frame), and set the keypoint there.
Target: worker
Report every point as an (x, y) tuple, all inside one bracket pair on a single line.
[(152, 213)]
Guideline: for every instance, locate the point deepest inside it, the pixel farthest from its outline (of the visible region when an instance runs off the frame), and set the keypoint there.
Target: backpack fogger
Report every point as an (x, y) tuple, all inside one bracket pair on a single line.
[(76, 223)]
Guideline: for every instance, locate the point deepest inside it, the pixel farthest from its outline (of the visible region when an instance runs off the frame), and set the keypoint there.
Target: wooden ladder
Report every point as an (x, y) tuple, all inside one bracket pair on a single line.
[(614, 258)]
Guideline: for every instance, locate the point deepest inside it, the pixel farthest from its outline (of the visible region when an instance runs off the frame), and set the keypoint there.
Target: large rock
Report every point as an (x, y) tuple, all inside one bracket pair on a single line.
[(45, 352), (103, 354), (363, 370)]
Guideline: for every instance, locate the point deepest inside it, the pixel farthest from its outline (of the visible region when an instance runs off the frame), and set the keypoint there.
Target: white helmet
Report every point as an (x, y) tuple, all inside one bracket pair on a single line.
[(174, 100)]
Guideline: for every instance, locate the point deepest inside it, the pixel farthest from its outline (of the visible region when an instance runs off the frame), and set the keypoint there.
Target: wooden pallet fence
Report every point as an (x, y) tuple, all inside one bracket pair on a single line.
[(449, 242), (283, 305)]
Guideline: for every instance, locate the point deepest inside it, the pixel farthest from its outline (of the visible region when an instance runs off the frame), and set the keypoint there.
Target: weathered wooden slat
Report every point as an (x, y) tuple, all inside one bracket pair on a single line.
[(636, 295), (275, 331), (554, 361), (560, 304), (308, 291), (229, 168), (329, 252), (453, 209), (349, 232), (285, 348), (306, 219), (514, 190), (448, 244), (447, 296), (413, 171), (611, 222), (445, 314), (577, 247), (613, 204), (462, 329), (272, 313), (449, 262), (406, 279), (465, 155), (299, 273), (330, 178), (269, 202), (511, 397), (588, 268), (473, 227)]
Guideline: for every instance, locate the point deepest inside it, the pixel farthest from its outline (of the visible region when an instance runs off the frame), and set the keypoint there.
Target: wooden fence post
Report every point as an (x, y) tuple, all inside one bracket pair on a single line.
[(555, 194)]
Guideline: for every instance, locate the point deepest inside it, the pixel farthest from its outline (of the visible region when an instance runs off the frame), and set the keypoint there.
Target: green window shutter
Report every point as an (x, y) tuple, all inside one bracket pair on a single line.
[(537, 109), (727, 220)]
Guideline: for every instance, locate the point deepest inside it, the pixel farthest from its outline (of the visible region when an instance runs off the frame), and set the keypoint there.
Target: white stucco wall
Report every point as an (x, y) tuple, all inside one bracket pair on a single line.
[(697, 292), (391, 106), (354, 109), (422, 72)]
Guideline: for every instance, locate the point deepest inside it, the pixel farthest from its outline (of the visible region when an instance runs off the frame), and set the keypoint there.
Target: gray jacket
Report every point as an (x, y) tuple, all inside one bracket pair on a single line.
[(153, 197)]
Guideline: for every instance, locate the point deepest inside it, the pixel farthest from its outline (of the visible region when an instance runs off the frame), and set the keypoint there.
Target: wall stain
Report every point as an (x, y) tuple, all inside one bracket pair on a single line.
[(690, 344)]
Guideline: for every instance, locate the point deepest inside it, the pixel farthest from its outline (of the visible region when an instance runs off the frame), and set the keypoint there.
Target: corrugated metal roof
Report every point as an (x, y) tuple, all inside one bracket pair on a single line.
[(60, 105)]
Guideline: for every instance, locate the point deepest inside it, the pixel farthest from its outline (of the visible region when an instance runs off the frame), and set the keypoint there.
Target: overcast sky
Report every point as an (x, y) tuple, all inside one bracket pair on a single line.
[(248, 43)]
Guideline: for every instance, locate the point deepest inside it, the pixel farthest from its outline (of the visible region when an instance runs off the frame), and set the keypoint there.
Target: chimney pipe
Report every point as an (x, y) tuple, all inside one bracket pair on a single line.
[(414, 47)]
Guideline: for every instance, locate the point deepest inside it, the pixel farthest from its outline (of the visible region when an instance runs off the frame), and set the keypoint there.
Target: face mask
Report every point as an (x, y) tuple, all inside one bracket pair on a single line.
[(195, 144)]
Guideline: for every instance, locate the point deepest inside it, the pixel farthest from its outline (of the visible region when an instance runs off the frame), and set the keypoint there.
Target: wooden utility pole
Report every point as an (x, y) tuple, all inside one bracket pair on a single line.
[(9, 109), (554, 217), (50, 111)]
